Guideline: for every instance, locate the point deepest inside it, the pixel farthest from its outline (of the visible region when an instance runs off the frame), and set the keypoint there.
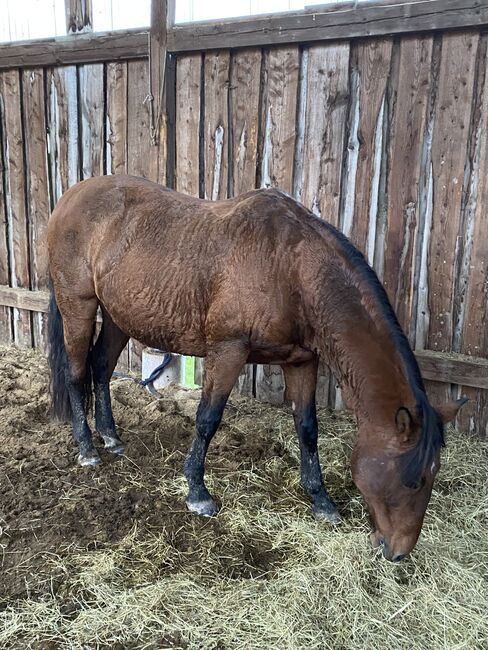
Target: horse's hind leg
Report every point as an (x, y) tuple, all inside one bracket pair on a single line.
[(78, 335), (110, 343), (301, 381), (222, 367)]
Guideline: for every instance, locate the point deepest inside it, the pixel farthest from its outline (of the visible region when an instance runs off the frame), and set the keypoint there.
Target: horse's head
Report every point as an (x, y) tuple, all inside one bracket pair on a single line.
[(395, 470)]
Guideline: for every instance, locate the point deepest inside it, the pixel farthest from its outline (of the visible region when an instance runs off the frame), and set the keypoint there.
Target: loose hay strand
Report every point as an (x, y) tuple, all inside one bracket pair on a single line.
[(264, 574)]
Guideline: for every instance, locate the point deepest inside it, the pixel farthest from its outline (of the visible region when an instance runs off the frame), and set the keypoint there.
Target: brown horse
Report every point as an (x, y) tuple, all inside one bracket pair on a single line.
[(255, 279)]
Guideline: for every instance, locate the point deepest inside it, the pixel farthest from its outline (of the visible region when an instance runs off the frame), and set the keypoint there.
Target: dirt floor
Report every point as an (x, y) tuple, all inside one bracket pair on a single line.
[(110, 558)]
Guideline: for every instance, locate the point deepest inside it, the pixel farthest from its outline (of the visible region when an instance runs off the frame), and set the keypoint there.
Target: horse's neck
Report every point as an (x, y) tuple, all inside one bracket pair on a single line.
[(361, 351)]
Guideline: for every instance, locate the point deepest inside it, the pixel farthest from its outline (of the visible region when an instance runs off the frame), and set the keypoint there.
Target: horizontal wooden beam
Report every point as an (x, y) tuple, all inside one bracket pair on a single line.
[(437, 366), (324, 24), (24, 299), (75, 48), (453, 368)]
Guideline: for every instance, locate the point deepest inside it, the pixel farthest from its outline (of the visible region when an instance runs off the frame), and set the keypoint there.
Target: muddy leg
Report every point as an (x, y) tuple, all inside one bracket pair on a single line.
[(300, 391), (222, 368), (78, 332), (110, 343)]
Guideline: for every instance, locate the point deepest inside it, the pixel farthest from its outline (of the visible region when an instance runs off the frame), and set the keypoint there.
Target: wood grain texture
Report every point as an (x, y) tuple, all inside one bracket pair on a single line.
[(62, 126), (38, 196), (15, 183), (6, 332), (324, 24), (279, 117), (405, 151), (82, 48), (216, 127), (142, 155), (244, 101), (91, 107), (452, 112), (79, 16), (187, 123), (324, 116), (470, 335), (277, 145), (372, 59)]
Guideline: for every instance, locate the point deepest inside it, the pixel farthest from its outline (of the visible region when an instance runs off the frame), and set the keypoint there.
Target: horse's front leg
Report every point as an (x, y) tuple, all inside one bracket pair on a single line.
[(301, 382), (222, 367)]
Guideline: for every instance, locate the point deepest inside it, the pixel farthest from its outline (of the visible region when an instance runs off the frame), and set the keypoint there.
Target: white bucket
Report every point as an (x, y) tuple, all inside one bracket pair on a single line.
[(172, 374)]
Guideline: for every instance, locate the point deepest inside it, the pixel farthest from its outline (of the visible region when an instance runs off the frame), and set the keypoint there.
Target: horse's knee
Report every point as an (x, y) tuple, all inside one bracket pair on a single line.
[(208, 419), (308, 430)]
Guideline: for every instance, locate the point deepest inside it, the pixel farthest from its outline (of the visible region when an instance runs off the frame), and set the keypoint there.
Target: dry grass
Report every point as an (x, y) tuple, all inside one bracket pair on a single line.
[(265, 575)]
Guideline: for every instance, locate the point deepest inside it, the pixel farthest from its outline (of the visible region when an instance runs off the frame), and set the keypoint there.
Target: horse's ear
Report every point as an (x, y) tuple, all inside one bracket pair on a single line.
[(404, 423), (449, 411)]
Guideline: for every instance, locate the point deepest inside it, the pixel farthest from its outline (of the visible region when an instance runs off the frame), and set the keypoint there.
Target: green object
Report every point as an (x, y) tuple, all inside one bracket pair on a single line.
[(189, 374)]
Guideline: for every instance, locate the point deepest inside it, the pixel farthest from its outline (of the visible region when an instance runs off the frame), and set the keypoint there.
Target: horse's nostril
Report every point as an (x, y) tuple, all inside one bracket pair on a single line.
[(399, 558)]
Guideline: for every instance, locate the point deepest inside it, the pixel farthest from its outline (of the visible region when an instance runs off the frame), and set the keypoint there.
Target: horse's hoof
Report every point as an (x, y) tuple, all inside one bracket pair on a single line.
[(89, 460), (206, 508), (114, 446), (330, 515)]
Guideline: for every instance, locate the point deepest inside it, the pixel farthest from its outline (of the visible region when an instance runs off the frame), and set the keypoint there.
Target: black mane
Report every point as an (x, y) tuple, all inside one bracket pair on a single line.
[(413, 462)]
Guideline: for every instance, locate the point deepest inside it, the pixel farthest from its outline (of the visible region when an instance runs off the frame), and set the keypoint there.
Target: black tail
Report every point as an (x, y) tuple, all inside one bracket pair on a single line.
[(59, 366)]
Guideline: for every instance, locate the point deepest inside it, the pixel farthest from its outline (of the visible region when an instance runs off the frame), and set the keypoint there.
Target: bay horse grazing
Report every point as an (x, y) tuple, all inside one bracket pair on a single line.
[(254, 279)]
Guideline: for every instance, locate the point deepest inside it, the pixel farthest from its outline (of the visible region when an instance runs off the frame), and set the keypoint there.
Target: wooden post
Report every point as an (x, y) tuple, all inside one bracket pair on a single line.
[(79, 16), (162, 17)]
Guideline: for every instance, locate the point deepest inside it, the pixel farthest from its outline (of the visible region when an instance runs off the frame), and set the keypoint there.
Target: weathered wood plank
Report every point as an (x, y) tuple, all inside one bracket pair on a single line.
[(449, 145), (244, 108), (405, 145), (278, 134), (280, 97), (471, 300), (38, 198), (216, 127), (6, 332), (187, 127), (79, 16), (80, 48), (244, 101), (91, 99), (372, 61), (62, 126), (322, 120), (116, 119), (24, 299), (324, 117), (15, 183), (326, 24), (116, 141), (142, 155), (451, 368), (187, 132)]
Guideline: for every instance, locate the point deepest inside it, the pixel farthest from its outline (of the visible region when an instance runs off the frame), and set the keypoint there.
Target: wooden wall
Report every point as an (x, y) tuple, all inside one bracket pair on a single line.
[(386, 138)]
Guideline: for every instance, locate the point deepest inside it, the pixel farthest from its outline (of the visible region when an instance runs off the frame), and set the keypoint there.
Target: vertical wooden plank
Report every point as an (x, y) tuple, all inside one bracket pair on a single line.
[(244, 107), (471, 323), (116, 141), (372, 59), (79, 16), (187, 131), (5, 312), (216, 127), (244, 103), (323, 101), (92, 119), (278, 149), (407, 134), (324, 117), (62, 125), (187, 125), (142, 155), (280, 97), (15, 187), (449, 145), (38, 199)]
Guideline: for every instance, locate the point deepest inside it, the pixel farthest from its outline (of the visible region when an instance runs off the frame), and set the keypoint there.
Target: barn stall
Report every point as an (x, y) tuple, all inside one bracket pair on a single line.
[(374, 116)]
